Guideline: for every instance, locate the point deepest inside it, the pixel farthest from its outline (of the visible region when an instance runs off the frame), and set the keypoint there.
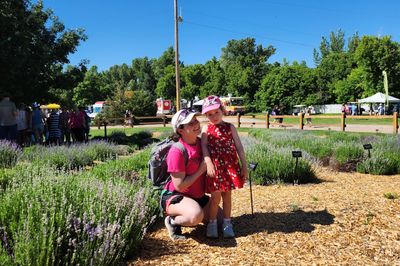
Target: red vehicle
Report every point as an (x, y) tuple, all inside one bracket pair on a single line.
[(164, 107)]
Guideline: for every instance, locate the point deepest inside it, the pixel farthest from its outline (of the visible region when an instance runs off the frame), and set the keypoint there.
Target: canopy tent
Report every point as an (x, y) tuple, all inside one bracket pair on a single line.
[(379, 98)]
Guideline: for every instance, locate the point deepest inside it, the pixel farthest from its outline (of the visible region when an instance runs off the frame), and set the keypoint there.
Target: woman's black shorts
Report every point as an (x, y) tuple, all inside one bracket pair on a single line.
[(173, 197)]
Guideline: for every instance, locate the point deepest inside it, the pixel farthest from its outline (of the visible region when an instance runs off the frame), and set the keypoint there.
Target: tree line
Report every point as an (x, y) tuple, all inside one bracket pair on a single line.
[(34, 67)]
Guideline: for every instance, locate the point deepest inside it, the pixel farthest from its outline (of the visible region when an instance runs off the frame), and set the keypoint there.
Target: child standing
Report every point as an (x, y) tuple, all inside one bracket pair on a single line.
[(221, 146)]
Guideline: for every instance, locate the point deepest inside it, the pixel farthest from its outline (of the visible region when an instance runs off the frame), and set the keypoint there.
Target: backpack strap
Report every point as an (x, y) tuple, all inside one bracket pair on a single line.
[(182, 148)]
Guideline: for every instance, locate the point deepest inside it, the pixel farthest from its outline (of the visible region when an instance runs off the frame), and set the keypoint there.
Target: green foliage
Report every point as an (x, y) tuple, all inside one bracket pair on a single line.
[(347, 151), (70, 220), (391, 195), (376, 54), (9, 154), (285, 86), (277, 165), (34, 44), (380, 163)]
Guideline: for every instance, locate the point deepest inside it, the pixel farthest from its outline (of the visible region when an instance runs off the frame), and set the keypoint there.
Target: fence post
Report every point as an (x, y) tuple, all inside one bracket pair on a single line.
[(267, 120), (238, 120), (164, 120), (343, 123), (395, 123), (301, 121), (105, 129)]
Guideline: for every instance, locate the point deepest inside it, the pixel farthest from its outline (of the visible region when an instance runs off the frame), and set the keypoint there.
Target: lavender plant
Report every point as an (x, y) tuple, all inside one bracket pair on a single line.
[(9, 154), (277, 165), (73, 219)]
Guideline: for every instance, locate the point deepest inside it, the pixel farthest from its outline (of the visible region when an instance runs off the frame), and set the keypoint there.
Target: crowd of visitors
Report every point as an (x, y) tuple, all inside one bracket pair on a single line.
[(28, 125)]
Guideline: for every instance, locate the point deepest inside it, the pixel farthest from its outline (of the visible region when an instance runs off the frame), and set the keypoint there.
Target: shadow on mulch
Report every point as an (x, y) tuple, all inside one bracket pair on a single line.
[(245, 225), (290, 222)]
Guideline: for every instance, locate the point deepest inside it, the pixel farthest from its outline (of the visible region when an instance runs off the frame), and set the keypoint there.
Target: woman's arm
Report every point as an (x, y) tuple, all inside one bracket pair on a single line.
[(182, 181), (240, 152)]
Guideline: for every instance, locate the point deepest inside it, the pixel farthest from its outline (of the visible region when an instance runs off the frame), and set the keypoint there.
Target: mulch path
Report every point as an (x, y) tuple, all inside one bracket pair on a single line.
[(343, 220)]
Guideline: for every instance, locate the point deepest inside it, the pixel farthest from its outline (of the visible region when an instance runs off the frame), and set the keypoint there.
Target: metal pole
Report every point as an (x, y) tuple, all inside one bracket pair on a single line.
[(251, 195), (178, 86)]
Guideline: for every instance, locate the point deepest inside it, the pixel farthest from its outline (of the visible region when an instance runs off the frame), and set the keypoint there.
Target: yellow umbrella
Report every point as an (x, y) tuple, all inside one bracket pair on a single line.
[(53, 106)]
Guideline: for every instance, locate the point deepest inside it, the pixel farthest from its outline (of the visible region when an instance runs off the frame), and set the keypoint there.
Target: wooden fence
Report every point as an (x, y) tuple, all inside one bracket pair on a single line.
[(278, 120), (242, 120)]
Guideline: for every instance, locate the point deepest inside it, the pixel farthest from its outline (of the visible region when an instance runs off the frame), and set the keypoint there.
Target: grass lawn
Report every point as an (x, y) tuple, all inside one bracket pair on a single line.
[(366, 120), (94, 132)]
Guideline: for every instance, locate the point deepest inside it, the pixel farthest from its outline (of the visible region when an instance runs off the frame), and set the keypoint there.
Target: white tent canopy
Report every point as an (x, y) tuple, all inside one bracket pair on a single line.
[(379, 98)]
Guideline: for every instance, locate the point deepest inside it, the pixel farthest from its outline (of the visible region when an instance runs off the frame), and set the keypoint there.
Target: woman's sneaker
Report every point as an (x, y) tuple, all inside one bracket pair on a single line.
[(227, 228), (212, 230), (174, 231)]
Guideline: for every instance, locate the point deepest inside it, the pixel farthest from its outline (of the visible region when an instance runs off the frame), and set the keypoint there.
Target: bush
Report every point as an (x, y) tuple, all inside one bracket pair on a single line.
[(9, 154), (380, 163), (347, 152), (277, 165), (70, 220)]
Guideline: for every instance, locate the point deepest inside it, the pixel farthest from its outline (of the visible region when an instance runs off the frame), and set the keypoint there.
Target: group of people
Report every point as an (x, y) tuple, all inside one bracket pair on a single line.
[(28, 125), (216, 165)]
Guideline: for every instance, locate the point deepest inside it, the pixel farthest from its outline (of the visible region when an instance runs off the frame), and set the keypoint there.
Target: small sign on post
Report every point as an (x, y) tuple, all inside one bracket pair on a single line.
[(368, 147), (252, 167), (297, 155)]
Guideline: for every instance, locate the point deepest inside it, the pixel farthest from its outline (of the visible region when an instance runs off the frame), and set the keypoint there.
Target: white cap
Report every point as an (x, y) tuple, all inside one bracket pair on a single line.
[(182, 117)]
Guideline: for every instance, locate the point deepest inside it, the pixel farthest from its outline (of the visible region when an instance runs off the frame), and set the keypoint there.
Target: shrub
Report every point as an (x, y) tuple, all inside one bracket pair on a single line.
[(69, 220), (348, 151), (9, 154), (380, 163), (277, 165)]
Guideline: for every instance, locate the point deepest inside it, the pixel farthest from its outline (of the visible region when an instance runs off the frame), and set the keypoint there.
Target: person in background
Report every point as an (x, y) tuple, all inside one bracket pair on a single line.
[(38, 120), (22, 125), (86, 126), (53, 125), (8, 119), (64, 126), (77, 124)]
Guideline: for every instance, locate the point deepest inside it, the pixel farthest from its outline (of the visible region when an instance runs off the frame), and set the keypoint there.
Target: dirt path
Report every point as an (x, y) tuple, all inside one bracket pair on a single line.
[(343, 220)]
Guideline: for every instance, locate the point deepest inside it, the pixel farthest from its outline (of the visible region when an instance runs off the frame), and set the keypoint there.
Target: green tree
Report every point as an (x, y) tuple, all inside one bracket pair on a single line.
[(33, 43), (166, 85), (90, 89), (244, 64), (285, 86), (145, 77), (214, 79), (375, 54), (193, 78)]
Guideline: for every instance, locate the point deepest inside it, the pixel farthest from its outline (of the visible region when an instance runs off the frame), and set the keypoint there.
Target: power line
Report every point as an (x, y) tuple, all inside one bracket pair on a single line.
[(248, 34)]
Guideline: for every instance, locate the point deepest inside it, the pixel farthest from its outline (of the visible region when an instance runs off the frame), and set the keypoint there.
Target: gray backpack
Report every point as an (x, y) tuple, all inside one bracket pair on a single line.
[(157, 165)]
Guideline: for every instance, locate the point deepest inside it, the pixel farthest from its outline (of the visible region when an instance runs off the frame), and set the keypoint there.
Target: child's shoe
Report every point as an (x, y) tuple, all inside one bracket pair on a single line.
[(212, 230), (228, 230)]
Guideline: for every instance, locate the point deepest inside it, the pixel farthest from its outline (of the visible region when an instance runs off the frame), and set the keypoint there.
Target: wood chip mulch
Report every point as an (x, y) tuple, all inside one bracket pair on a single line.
[(343, 220)]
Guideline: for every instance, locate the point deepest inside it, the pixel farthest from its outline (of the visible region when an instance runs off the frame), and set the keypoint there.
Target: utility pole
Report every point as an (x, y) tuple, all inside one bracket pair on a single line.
[(178, 84)]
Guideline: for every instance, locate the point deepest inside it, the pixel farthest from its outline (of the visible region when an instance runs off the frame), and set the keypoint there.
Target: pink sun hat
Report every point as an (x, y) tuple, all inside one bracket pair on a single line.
[(211, 102)]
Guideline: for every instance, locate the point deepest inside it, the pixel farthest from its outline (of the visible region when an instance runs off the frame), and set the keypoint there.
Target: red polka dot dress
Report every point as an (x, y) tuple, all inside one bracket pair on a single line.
[(224, 156)]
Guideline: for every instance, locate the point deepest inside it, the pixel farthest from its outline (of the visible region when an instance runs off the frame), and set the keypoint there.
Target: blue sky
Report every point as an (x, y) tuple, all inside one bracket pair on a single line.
[(121, 30)]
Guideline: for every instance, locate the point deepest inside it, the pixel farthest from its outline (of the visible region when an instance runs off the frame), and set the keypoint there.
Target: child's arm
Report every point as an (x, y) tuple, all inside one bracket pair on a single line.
[(240, 152), (206, 153)]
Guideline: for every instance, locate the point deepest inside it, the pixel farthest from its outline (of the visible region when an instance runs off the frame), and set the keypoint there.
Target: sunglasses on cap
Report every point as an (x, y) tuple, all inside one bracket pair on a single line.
[(211, 101)]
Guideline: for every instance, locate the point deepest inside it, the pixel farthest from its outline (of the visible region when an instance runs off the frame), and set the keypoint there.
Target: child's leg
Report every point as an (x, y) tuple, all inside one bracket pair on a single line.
[(212, 227), (227, 204), (227, 226), (215, 200)]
